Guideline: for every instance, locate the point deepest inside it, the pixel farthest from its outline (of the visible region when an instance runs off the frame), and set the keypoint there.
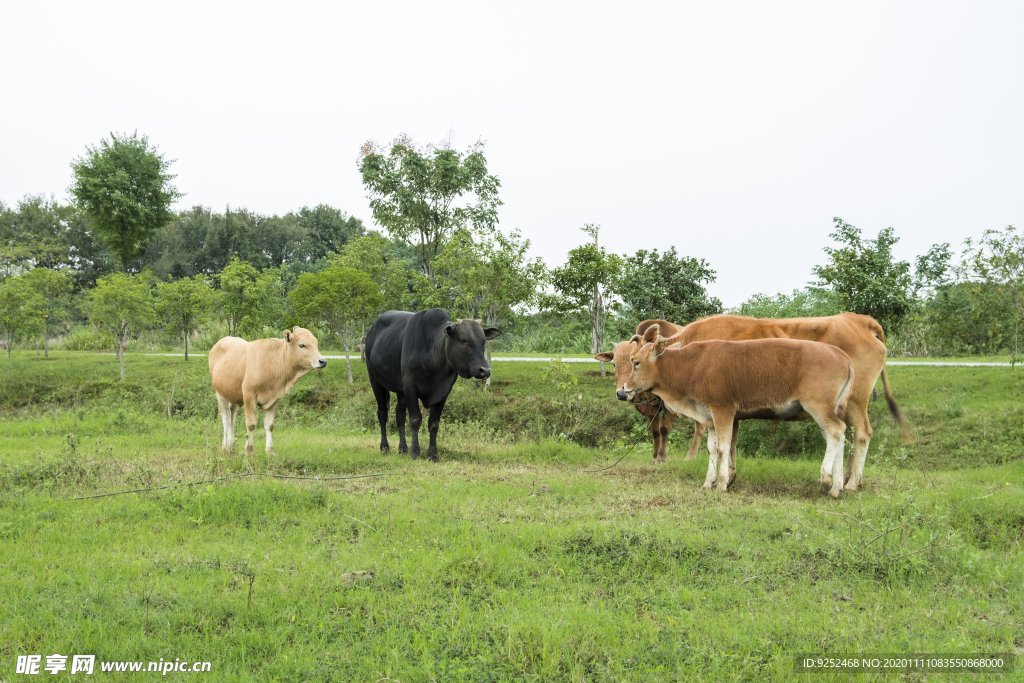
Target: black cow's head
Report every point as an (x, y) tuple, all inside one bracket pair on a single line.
[(464, 347)]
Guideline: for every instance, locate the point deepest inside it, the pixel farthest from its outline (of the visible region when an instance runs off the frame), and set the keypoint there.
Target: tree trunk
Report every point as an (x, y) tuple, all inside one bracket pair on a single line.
[(186, 347), (120, 352), (487, 355), (37, 348), (348, 363), (10, 343), (46, 347), (597, 325)]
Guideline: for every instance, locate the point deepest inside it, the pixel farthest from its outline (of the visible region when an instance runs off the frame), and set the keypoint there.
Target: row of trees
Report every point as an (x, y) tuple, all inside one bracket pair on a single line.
[(120, 258)]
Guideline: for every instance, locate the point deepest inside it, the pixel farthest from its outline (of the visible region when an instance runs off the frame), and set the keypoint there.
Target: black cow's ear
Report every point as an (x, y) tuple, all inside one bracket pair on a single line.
[(449, 329), (492, 333), (288, 336)]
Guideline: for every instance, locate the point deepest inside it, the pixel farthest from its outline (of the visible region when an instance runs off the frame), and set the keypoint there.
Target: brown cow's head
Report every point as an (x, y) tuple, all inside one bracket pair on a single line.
[(304, 349), (641, 361), (619, 355)]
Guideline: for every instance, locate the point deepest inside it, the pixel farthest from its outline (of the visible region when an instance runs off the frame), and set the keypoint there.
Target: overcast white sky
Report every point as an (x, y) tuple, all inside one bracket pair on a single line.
[(732, 130)]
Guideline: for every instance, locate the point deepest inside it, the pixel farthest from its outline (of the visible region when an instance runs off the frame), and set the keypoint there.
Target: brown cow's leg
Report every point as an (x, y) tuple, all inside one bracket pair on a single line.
[(666, 426), (732, 451), (698, 434), (724, 421), (656, 434), (709, 481), (857, 418)]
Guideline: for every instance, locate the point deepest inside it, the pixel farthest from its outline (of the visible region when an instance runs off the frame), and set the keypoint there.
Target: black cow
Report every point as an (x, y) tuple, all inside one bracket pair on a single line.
[(418, 356)]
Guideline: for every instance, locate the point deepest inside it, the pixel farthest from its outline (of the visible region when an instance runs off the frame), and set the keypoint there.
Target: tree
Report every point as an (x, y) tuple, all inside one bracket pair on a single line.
[(865, 277), (489, 277), (54, 290), (998, 260), (119, 304), (810, 302), (378, 258), (185, 304), (251, 299), (667, 286), (21, 313), (124, 188), (585, 284), (329, 230), (413, 192), (341, 299)]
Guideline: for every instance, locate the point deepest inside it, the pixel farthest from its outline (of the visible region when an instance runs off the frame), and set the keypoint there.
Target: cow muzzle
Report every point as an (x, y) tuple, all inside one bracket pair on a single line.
[(321, 364), (621, 395), (482, 372)]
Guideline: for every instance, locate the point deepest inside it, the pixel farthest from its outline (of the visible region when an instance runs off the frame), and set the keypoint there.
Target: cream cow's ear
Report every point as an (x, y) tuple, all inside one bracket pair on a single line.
[(288, 336)]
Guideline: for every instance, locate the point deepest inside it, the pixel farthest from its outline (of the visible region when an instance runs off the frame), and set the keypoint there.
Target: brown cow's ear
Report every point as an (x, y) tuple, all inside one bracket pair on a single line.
[(492, 333), (652, 332), (605, 356), (637, 338), (288, 336), (659, 347)]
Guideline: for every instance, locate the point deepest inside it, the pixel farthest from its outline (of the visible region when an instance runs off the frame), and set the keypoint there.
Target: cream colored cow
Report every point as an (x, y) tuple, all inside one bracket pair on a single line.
[(258, 374)]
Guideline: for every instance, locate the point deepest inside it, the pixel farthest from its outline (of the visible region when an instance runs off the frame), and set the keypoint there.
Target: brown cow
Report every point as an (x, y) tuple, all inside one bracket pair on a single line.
[(860, 336), (718, 382), (647, 404), (258, 374)]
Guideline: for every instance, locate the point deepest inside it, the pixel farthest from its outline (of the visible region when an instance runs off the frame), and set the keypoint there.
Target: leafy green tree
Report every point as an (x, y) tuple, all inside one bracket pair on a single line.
[(667, 286), (251, 299), (585, 284), (340, 299), (810, 302), (121, 303), (21, 313), (185, 305), (124, 188), (865, 277), (998, 260), (379, 258), (328, 230), (415, 193), (54, 290)]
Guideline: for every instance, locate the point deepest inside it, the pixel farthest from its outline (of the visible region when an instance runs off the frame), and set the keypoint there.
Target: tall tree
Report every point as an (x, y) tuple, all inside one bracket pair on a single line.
[(121, 303), (998, 260), (585, 284), (185, 305), (865, 276), (667, 286), (251, 299), (54, 290), (341, 299), (415, 193), (329, 229), (124, 188), (381, 260), (487, 277), (21, 313)]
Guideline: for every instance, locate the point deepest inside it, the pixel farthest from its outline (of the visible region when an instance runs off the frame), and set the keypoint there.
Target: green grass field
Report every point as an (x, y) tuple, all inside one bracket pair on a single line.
[(502, 562)]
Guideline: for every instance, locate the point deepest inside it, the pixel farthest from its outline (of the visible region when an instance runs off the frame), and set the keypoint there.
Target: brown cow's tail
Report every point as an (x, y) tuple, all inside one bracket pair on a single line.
[(844, 394), (895, 409)]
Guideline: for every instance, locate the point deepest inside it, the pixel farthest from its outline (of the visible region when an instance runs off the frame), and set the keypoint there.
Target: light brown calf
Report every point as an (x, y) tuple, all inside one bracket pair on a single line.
[(716, 383), (258, 374)]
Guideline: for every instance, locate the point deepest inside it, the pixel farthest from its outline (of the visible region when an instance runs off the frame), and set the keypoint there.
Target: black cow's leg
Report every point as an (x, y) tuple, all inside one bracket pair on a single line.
[(383, 399), (400, 419), (412, 404), (432, 424)]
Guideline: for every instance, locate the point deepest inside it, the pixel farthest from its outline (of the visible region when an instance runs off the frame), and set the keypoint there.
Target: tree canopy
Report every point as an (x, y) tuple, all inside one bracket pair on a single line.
[(585, 284), (667, 286), (415, 193), (123, 186), (120, 304), (184, 305)]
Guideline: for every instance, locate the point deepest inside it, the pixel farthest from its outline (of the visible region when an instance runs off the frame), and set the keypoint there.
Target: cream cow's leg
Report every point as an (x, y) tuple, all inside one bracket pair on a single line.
[(250, 423), (226, 414), (268, 426)]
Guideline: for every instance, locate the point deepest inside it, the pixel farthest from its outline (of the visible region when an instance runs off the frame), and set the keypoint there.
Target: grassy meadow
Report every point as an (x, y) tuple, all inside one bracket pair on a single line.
[(508, 560)]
